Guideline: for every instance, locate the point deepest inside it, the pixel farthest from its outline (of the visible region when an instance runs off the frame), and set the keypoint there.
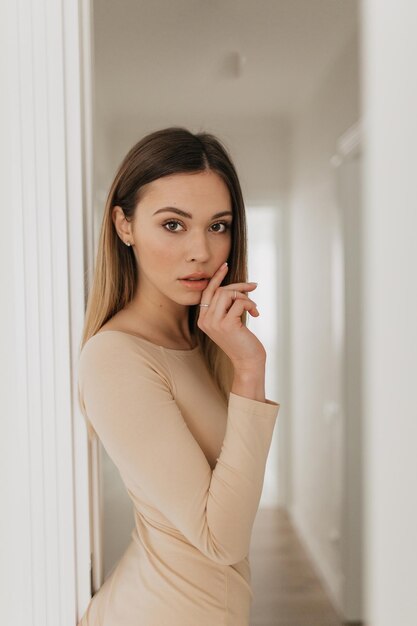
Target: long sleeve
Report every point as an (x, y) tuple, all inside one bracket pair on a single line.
[(132, 409)]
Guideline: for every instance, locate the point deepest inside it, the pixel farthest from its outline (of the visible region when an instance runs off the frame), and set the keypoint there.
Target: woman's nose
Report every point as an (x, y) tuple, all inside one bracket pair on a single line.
[(199, 248)]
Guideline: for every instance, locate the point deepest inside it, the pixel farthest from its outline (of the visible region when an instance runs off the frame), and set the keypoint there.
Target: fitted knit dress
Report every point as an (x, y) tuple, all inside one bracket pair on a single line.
[(193, 466)]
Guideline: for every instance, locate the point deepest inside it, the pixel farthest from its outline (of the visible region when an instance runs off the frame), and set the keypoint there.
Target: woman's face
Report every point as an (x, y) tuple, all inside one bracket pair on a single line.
[(169, 246)]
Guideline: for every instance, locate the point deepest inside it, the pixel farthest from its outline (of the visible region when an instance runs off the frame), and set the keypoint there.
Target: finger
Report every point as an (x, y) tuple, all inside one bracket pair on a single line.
[(208, 292), (225, 292), (241, 286), (211, 288), (243, 290), (218, 278), (238, 307), (220, 308)]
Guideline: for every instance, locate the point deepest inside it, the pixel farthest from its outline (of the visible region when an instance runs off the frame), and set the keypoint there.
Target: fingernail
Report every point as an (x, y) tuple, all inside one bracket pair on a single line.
[(253, 283), (224, 265)]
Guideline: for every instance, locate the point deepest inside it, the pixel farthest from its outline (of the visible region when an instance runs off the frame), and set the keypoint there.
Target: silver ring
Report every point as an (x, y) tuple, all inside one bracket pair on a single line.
[(203, 305)]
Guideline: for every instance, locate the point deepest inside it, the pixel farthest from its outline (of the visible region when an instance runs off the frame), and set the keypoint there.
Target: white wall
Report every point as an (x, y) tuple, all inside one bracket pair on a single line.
[(316, 363), (259, 146), (390, 292), (12, 555), (45, 547)]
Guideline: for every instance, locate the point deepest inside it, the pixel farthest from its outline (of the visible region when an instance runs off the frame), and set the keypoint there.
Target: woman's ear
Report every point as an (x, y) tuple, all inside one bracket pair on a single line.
[(122, 226)]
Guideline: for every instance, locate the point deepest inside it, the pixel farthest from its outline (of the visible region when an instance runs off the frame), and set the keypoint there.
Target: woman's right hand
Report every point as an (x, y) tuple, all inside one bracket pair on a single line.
[(221, 321)]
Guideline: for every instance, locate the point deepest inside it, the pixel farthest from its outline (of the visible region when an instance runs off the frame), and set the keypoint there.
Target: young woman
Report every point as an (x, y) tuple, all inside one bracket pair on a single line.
[(172, 382)]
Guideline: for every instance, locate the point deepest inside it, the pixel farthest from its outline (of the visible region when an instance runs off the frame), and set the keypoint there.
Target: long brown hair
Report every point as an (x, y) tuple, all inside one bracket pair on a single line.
[(163, 152)]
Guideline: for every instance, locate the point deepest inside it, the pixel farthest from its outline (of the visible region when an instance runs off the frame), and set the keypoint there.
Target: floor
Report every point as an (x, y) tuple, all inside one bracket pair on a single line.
[(286, 589)]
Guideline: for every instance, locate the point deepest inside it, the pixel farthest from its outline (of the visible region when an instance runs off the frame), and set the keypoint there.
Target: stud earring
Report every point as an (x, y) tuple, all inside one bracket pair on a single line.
[(128, 243)]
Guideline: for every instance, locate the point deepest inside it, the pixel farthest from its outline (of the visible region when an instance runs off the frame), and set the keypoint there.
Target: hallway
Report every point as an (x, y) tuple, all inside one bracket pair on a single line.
[(286, 589)]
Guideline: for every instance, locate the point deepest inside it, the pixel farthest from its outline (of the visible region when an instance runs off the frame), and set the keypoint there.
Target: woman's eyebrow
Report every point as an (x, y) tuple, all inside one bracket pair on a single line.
[(185, 214)]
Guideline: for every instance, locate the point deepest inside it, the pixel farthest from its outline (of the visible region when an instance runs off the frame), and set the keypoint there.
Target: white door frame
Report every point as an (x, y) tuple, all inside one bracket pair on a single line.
[(48, 98)]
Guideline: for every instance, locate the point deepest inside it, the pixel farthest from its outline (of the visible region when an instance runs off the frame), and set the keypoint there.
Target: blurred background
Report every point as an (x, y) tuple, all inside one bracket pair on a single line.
[(315, 101)]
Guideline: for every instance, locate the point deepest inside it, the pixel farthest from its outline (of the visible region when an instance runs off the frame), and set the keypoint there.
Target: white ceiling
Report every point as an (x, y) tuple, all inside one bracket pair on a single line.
[(177, 55)]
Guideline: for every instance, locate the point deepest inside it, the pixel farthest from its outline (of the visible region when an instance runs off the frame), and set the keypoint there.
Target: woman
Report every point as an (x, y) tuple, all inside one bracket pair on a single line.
[(172, 382)]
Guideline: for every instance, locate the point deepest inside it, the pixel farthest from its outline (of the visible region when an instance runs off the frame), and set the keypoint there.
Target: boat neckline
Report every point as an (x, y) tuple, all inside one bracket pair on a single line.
[(155, 345)]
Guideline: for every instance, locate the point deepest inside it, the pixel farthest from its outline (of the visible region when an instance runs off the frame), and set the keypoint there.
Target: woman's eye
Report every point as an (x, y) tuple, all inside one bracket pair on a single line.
[(171, 222), (226, 226)]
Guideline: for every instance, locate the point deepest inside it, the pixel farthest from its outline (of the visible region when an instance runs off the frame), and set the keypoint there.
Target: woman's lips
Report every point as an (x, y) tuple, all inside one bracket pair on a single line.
[(194, 284)]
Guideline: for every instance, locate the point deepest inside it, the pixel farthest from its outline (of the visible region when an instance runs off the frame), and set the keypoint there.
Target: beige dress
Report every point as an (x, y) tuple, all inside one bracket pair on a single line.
[(193, 466)]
